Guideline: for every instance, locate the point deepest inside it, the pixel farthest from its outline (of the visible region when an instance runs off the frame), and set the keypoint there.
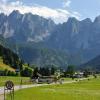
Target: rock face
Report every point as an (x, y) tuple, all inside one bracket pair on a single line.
[(79, 39), (73, 34), (27, 27)]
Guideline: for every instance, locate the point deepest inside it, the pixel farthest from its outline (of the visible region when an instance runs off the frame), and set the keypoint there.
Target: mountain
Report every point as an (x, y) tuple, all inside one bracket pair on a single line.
[(28, 34), (94, 63), (23, 31), (78, 38), (21, 28), (41, 56)]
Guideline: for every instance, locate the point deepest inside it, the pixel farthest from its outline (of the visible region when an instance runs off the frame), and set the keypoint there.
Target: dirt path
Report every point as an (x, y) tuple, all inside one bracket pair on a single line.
[(1, 97)]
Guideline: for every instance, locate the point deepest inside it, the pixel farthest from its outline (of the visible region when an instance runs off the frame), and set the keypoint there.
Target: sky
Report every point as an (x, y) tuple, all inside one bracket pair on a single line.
[(57, 10)]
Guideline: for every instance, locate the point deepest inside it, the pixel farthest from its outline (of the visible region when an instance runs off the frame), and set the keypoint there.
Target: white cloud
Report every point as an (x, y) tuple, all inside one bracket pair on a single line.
[(58, 15), (66, 3), (76, 15)]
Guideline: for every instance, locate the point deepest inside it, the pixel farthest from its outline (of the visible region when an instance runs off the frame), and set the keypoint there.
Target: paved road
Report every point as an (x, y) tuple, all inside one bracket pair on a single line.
[(34, 85)]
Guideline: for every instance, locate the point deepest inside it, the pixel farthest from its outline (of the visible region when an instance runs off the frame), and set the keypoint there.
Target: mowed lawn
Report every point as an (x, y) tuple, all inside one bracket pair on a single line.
[(83, 90), (15, 80)]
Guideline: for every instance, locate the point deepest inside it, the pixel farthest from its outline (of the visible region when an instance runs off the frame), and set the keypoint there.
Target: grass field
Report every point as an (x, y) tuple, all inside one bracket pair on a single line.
[(83, 90), (4, 66), (16, 80)]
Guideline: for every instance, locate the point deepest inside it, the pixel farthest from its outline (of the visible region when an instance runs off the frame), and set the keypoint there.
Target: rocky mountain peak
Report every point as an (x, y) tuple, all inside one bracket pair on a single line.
[(97, 19), (72, 19), (15, 14), (87, 20)]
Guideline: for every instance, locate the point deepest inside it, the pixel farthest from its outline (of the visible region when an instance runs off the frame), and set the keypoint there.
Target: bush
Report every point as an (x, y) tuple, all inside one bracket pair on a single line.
[(9, 73), (27, 72)]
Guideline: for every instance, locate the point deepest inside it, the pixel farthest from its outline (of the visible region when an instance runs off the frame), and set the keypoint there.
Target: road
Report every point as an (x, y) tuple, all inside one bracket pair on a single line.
[(34, 85)]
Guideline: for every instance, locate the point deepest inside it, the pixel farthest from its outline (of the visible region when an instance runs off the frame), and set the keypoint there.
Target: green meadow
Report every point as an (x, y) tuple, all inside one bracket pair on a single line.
[(83, 90), (15, 80)]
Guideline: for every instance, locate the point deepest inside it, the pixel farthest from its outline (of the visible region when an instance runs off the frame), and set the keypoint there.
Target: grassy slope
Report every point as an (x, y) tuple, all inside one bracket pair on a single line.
[(84, 90), (16, 80), (4, 66)]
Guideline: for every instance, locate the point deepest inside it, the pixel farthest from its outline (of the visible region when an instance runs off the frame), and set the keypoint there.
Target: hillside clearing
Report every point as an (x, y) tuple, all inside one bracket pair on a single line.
[(4, 66)]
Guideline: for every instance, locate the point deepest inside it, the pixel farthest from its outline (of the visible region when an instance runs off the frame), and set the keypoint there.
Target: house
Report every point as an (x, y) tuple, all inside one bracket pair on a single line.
[(78, 74)]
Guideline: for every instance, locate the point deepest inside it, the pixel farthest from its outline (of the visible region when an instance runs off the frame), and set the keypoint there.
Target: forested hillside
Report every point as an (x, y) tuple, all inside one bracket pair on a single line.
[(93, 64), (9, 58)]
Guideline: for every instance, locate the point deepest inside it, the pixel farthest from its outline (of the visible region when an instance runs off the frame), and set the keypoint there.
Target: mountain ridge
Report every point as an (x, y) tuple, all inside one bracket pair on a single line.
[(79, 39), (93, 64)]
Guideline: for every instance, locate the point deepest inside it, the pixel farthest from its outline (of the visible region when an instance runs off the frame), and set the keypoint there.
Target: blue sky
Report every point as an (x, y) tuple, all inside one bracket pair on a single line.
[(87, 8), (57, 10)]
